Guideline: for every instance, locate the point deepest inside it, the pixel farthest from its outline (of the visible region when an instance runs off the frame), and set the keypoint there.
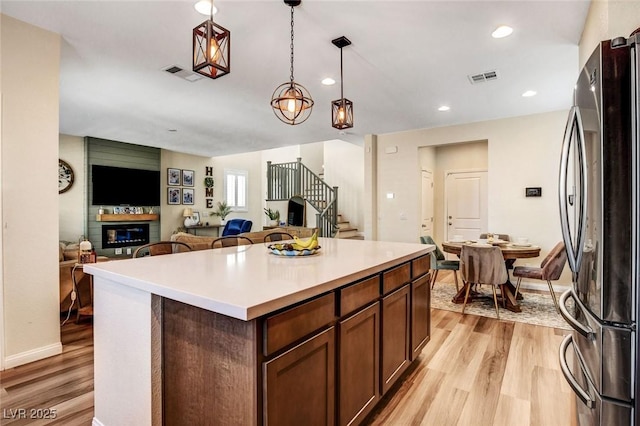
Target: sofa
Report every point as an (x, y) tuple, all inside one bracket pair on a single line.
[(68, 257), (204, 243)]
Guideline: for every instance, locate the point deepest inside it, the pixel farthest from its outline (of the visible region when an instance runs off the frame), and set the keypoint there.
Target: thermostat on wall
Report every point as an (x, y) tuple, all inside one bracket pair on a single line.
[(533, 192)]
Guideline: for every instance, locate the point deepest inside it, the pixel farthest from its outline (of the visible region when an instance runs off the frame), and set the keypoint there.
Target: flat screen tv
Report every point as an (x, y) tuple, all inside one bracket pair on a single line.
[(115, 186)]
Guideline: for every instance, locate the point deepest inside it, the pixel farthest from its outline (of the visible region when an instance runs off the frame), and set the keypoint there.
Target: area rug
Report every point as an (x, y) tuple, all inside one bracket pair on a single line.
[(536, 308)]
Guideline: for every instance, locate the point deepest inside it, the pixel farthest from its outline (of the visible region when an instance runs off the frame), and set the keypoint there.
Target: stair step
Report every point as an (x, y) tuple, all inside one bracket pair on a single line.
[(347, 233), (344, 225)]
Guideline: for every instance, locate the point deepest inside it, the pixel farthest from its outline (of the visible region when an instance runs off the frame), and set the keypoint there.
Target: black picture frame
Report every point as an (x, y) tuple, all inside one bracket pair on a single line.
[(173, 195), (188, 177), (188, 195), (173, 177)]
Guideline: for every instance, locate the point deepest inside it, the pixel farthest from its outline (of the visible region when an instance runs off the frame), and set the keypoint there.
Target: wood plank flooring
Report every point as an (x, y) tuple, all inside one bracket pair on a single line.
[(474, 371)]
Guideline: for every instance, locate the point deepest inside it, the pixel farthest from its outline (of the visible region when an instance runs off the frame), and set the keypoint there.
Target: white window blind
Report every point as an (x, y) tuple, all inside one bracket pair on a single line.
[(235, 189)]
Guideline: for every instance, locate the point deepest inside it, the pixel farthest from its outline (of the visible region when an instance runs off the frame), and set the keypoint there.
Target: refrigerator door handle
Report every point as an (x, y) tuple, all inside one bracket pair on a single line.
[(575, 324), (564, 366), (574, 254)]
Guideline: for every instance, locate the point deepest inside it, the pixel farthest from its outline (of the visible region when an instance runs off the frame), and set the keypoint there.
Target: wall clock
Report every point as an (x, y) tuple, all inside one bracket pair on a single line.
[(65, 176)]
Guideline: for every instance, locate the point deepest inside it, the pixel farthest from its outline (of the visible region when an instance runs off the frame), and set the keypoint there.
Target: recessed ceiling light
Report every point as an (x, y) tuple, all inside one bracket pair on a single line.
[(529, 93), (328, 81), (444, 108), (204, 7), (502, 31)]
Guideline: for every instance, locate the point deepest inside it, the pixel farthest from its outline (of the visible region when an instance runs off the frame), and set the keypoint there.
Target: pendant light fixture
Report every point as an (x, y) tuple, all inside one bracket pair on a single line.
[(291, 102), (211, 48), (341, 109)]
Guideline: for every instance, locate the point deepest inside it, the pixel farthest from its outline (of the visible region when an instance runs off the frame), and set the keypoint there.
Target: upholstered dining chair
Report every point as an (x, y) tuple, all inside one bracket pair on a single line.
[(439, 262), (230, 241), (236, 226), (160, 248), (483, 264), (550, 270), (277, 236)]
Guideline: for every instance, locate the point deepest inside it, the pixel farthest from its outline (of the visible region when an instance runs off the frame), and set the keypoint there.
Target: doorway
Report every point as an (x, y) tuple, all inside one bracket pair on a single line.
[(466, 204), (426, 227)]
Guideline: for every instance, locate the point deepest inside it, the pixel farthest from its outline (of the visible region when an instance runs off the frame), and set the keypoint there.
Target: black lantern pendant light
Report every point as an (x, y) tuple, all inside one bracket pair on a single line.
[(211, 49), (291, 102), (341, 109)]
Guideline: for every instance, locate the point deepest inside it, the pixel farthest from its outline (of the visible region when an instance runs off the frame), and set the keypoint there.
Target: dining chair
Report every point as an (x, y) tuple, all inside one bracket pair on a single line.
[(277, 236), (483, 264), (550, 270), (161, 247), (236, 226), (230, 241), (503, 237), (439, 262)]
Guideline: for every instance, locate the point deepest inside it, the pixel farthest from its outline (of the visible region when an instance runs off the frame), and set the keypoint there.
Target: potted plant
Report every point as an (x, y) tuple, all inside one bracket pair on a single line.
[(273, 215), (222, 211)]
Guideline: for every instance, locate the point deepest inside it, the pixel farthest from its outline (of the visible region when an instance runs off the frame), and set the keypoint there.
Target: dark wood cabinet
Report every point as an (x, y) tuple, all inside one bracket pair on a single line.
[(396, 354), (420, 314), (359, 365), (299, 385)]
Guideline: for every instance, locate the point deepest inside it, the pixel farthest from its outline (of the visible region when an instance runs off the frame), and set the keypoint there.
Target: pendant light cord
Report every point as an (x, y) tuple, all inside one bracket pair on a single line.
[(341, 91), (292, 44)]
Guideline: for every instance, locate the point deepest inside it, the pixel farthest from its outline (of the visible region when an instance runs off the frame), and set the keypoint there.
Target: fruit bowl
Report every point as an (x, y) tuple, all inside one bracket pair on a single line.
[(282, 250)]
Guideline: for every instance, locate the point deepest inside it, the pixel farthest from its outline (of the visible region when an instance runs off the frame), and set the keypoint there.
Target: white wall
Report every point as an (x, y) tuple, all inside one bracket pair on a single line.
[(522, 151), (72, 203), (344, 168), (29, 191)]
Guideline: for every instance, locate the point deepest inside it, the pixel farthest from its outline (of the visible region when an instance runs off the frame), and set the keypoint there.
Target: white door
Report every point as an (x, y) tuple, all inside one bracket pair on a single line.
[(427, 204), (466, 204)]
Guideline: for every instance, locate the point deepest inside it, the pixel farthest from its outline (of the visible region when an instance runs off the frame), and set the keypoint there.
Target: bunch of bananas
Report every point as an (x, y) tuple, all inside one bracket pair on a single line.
[(308, 244)]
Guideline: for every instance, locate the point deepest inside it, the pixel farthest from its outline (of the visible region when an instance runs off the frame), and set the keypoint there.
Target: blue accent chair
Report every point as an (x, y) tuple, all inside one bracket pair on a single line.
[(236, 226), (439, 262)]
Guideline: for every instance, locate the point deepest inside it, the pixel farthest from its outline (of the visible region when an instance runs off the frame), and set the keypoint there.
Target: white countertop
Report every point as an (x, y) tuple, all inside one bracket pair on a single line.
[(247, 282)]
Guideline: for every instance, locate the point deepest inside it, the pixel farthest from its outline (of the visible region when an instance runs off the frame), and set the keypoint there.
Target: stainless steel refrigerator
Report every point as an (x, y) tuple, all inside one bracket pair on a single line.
[(598, 193)]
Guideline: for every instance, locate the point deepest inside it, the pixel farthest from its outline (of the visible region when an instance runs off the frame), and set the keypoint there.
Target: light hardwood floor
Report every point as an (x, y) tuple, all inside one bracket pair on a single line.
[(474, 371)]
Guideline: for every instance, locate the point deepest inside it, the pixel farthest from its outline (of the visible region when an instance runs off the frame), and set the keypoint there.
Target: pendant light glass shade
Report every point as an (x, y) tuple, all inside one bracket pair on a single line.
[(291, 102), (211, 49), (341, 109)]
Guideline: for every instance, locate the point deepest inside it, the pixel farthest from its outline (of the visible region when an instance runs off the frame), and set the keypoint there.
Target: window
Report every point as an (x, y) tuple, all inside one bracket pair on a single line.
[(235, 189)]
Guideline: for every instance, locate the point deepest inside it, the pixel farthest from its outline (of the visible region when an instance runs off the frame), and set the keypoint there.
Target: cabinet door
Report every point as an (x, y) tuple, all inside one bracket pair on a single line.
[(299, 385), (396, 353), (420, 315), (359, 365)]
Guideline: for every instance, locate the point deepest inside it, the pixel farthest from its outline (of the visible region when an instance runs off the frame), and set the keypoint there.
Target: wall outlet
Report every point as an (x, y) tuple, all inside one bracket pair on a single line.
[(128, 250), (118, 251)]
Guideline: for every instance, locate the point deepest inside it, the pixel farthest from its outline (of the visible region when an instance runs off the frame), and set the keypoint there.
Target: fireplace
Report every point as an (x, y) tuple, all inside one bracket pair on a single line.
[(114, 236)]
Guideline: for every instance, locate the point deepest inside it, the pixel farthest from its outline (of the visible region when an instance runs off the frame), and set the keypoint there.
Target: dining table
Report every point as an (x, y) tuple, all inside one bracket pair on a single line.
[(510, 252)]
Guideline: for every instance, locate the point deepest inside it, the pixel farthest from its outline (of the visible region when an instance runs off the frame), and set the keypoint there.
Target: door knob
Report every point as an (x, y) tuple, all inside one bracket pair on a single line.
[(450, 223), (450, 217)]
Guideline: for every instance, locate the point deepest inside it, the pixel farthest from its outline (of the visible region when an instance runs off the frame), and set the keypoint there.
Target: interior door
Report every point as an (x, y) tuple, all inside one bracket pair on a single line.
[(466, 204), (427, 204)]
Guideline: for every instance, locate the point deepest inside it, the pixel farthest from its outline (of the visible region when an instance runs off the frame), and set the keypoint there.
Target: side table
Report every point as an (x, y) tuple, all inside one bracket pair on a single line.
[(85, 307)]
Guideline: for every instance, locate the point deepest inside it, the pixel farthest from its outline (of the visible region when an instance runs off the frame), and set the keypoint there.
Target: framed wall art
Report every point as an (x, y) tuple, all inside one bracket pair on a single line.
[(173, 177), (187, 178), (187, 196), (173, 195)]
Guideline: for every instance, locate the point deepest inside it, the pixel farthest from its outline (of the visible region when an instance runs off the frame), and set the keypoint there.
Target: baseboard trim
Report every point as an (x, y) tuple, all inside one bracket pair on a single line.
[(542, 286), (33, 355), (96, 422)]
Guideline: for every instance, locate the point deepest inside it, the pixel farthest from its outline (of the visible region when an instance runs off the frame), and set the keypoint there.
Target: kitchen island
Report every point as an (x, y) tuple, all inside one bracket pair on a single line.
[(240, 336)]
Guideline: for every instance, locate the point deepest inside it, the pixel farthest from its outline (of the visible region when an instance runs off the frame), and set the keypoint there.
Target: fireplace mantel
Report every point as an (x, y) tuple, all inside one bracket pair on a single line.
[(127, 217)]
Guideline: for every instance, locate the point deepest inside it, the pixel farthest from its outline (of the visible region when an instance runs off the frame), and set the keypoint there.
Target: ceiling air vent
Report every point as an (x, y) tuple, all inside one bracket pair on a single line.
[(482, 77), (182, 73)]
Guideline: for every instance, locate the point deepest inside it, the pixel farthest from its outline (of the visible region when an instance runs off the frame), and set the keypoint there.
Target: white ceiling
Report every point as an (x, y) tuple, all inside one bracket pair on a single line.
[(407, 59)]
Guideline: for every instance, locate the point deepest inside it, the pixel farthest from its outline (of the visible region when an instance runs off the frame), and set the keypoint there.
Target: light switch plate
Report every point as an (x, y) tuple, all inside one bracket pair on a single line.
[(118, 251)]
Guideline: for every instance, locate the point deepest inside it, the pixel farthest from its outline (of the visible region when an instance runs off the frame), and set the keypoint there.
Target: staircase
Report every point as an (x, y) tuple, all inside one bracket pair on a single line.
[(345, 230), (286, 180)]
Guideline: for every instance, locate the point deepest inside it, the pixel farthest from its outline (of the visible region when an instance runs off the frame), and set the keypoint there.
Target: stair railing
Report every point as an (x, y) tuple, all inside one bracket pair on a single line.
[(286, 180)]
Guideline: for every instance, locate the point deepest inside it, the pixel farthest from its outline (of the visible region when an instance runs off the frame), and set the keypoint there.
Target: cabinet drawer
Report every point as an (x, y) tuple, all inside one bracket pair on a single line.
[(420, 266), (286, 327), (358, 295), (395, 278)]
